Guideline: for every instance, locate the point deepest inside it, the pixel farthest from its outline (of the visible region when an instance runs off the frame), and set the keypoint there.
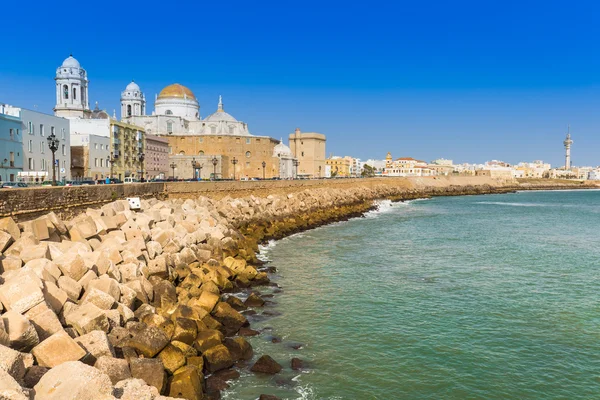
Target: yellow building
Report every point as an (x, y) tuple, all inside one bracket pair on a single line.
[(309, 149), (127, 144), (338, 166)]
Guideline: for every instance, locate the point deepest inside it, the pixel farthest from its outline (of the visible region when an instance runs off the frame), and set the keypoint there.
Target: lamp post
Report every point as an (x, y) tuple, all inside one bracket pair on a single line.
[(173, 165), (296, 163), (53, 145), (141, 157), (194, 167), (264, 164), (200, 170), (214, 163), (234, 161)]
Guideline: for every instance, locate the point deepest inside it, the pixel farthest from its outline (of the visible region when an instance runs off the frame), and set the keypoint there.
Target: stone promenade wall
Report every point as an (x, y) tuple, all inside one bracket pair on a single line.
[(26, 204)]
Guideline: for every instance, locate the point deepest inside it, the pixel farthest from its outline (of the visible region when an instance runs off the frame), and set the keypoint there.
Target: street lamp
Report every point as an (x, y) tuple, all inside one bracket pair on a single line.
[(296, 163), (214, 163), (141, 157), (53, 145), (234, 161), (194, 167), (264, 164), (173, 165)]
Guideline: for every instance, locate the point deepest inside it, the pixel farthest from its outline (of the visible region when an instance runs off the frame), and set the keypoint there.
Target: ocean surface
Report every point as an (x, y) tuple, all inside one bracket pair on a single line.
[(475, 297)]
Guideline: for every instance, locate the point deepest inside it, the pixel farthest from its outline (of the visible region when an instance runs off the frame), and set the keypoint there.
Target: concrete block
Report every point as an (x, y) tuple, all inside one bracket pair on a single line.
[(117, 369), (54, 296), (44, 320), (21, 292), (87, 318), (96, 343), (74, 380), (57, 349), (71, 287), (21, 332), (9, 225)]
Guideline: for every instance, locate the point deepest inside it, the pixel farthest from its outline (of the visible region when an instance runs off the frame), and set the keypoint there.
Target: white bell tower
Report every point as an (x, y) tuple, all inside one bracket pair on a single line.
[(71, 90), (133, 102)]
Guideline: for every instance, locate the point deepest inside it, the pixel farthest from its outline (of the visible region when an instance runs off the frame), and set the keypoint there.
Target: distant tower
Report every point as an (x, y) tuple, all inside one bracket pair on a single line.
[(388, 160), (133, 102), (71, 90), (568, 142)]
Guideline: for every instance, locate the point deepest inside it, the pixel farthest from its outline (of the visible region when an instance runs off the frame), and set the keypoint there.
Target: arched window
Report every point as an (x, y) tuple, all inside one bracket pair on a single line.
[(231, 129), (248, 154), (182, 153), (74, 93), (129, 110), (66, 92), (169, 112), (169, 126), (213, 129), (201, 153)]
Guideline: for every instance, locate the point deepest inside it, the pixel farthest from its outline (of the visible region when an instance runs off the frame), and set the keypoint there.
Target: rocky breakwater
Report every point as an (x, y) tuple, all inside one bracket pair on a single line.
[(122, 303)]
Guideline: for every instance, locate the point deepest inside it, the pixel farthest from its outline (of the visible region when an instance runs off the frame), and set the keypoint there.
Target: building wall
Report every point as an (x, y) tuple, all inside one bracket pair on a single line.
[(90, 155), (127, 144), (204, 167), (156, 163), (11, 144), (339, 166), (248, 151), (37, 157), (309, 149)]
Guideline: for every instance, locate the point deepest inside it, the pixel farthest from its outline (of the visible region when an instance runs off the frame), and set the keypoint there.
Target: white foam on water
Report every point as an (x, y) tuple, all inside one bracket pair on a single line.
[(511, 204)]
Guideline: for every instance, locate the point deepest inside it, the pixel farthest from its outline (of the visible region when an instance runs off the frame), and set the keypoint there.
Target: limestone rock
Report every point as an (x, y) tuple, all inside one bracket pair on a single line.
[(74, 380), (266, 365), (149, 341), (57, 349), (187, 383), (239, 348), (254, 300), (217, 358), (231, 319), (9, 225), (208, 338), (44, 320), (172, 358), (21, 332), (135, 389), (21, 293), (10, 389), (72, 265), (96, 343), (150, 370), (100, 299), (87, 318), (208, 300), (33, 375), (54, 296), (11, 361), (117, 369)]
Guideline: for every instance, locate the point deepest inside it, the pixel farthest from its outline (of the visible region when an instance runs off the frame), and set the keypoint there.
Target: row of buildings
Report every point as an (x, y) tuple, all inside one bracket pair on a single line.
[(172, 141)]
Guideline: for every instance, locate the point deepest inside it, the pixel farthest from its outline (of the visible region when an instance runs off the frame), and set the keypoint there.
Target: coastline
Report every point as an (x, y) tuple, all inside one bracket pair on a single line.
[(158, 282)]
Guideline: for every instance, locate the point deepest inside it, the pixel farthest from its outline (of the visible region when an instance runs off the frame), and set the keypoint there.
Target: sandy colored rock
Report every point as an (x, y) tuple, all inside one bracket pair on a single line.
[(34, 252), (10, 388), (10, 226), (54, 296), (107, 285), (150, 370), (187, 384), (57, 349), (208, 300), (207, 339), (185, 331), (20, 293), (72, 265), (135, 389), (83, 229), (6, 240), (96, 343), (70, 287), (231, 319), (100, 299), (172, 358), (10, 262), (21, 332), (11, 361), (74, 380), (44, 320), (217, 358), (149, 341), (44, 269), (117, 369), (87, 318)]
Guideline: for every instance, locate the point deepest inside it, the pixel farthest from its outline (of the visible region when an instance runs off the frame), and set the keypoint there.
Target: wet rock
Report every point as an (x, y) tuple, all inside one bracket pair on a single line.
[(266, 365), (187, 383), (231, 319), (217, 358), (254, 300), (248, 332), (236, 303), (297, 364), (214, 383), (172, 358), (268, 397), (150, 370), (207, 339), (149, 341)]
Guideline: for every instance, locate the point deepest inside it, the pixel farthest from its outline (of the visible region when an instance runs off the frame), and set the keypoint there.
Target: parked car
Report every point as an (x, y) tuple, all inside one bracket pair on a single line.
[(49, 183), (115, 180), (14, 185), (131, 180)]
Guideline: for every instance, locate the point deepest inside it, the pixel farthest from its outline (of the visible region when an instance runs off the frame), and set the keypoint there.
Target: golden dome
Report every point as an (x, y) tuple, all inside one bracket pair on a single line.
[(176, 90)]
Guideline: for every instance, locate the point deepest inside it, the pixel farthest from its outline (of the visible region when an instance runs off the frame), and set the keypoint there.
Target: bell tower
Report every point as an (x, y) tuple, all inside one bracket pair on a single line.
[(133, 102), (567, 143), (71, 90)]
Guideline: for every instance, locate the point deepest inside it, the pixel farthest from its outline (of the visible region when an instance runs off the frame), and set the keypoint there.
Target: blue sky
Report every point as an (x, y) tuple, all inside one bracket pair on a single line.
[(465, 80)]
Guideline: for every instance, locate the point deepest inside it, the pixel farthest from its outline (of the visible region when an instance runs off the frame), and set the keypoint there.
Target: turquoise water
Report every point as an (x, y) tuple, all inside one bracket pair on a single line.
[(477, 297)]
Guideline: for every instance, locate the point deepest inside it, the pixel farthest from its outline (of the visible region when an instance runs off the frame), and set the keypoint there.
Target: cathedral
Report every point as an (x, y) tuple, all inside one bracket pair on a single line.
[(217, 146)]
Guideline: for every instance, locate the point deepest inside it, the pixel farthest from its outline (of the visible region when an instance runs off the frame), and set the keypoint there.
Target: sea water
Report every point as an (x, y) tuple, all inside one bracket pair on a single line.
[(475, 297)]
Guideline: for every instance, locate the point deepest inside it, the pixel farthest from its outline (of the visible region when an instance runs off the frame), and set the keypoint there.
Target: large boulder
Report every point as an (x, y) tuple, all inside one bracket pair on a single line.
[(117, 369), (10, 388), (187, 383), (266, 365), (21, 292), (21, 332), (150, 370), (231, 319), (57, 349), (217, 358), (73, 380), (149, 341)]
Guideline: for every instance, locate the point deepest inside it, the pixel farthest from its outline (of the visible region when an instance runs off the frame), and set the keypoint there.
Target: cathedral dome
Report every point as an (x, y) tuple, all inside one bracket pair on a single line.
[(176, 91), (281, 150), (133, 87), (220, 115), (71, 62)]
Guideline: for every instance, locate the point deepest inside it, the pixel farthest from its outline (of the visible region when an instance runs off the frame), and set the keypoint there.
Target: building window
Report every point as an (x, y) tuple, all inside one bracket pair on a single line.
[(42, 129), (30, 128), (64, 150), (42, 147), (213, 129), (201, 140), (96, 146), (182, 153), (169, 112), (44, 166), (248, 140), (248, 154), (129, 110), (247, 164), (302, 154), (95, 162), (201, 153), (231, 130), (11, 133), (30, 146), (31, 164), (74, 94), (169, 127), (102, 162), (65, 92), (12, 159)]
